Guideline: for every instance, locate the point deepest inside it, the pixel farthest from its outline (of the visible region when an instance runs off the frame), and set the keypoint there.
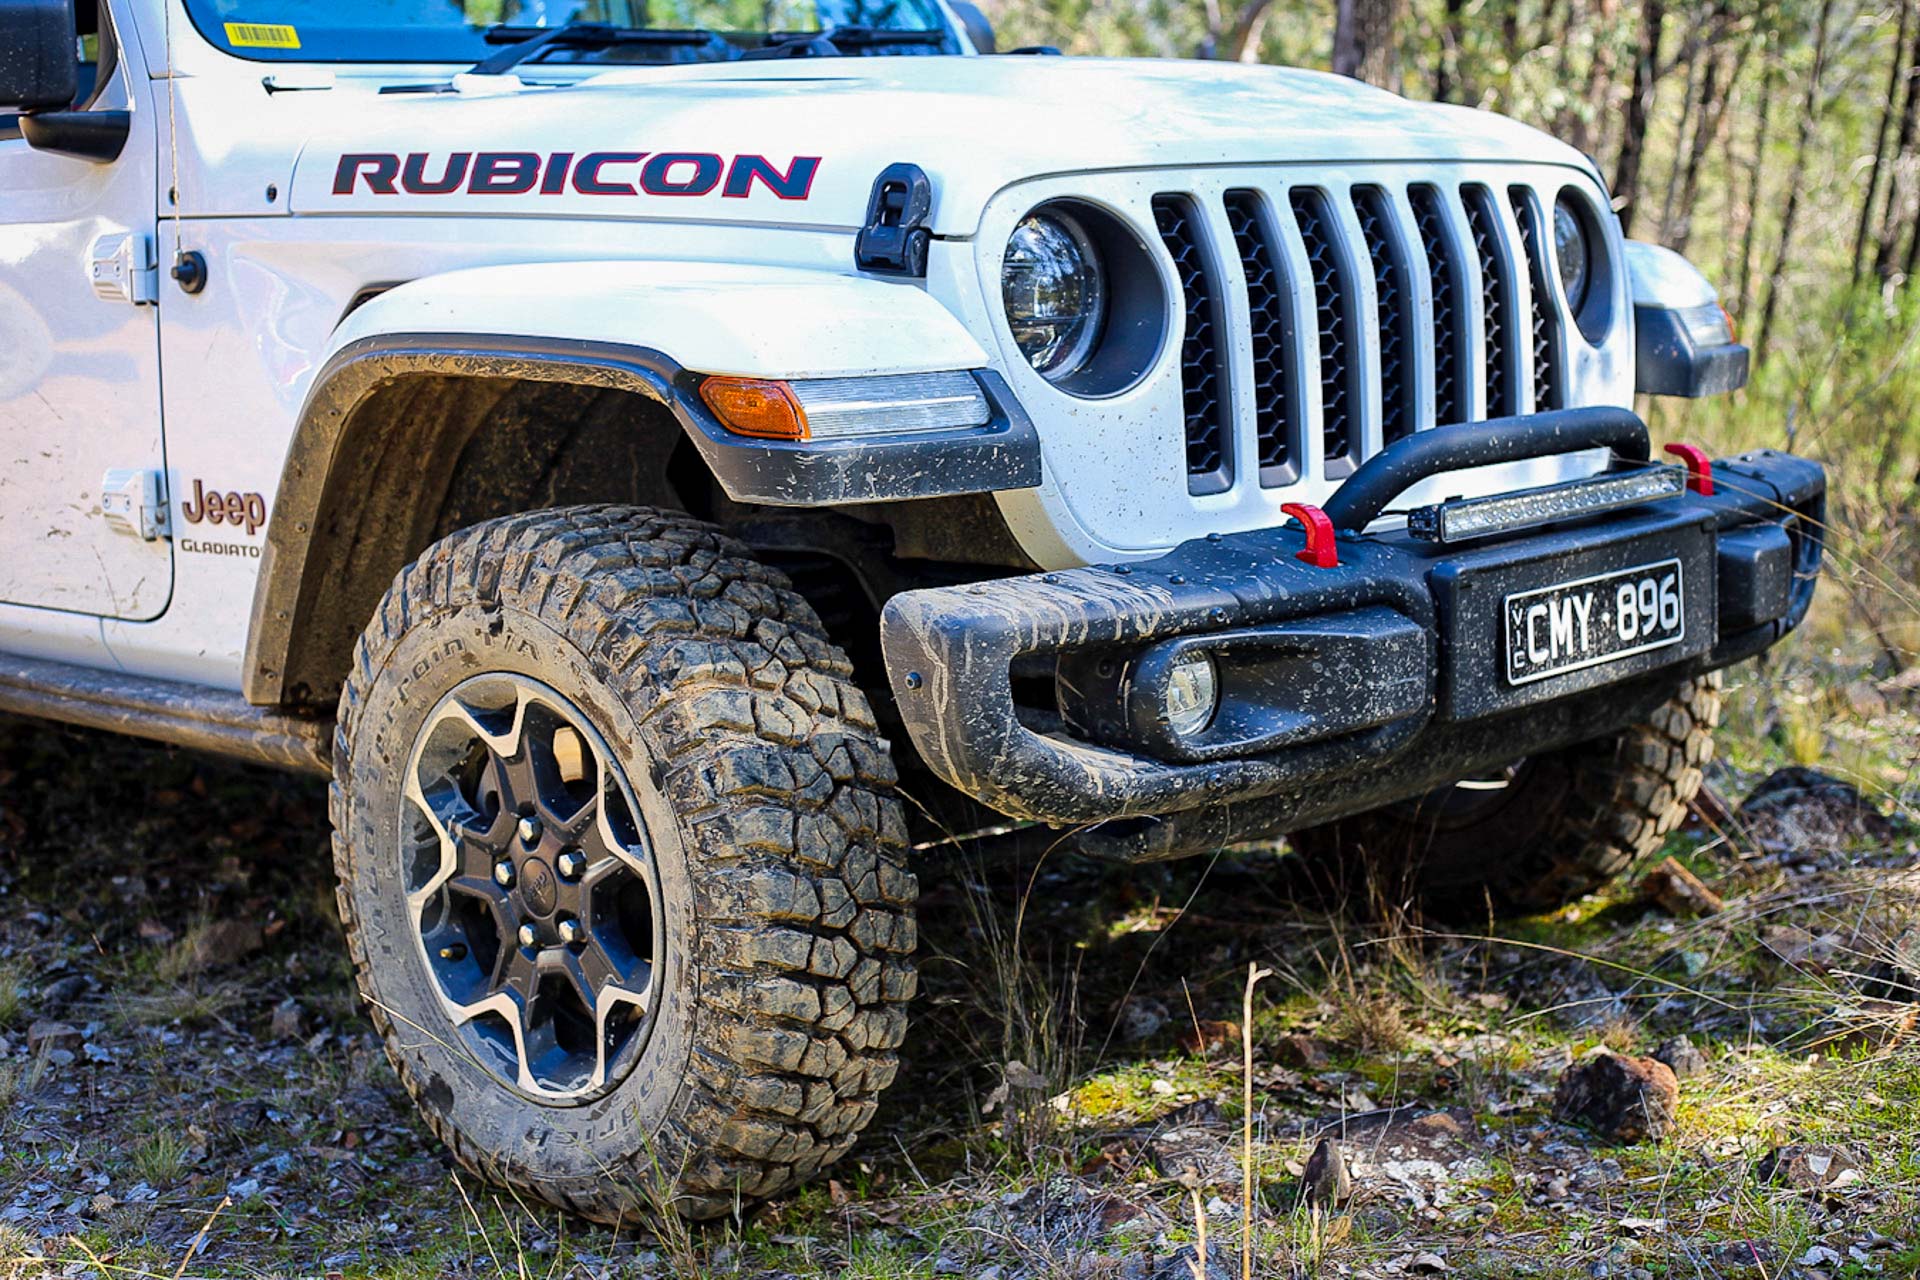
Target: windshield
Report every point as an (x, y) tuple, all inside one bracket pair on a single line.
[(473, 30)]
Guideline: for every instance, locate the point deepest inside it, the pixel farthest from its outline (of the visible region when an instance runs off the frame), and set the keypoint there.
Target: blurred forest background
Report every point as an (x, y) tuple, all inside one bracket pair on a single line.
[(1776, 143)]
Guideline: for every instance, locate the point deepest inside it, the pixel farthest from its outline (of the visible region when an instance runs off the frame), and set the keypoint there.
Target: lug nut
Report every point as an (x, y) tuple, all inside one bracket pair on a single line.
[(571, 864), (529, 830), (503, 874), (528, 935), (570, 930)]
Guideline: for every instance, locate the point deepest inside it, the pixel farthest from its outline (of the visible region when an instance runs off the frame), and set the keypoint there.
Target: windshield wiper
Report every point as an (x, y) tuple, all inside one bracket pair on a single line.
[(529, 42), (857, 37)]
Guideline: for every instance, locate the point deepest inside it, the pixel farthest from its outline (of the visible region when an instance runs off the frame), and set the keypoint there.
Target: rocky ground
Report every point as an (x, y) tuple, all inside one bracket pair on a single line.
[(1715, 1076)]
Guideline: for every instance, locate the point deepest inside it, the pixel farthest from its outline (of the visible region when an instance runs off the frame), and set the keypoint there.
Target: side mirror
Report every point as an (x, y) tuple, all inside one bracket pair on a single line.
[(975, 24), (39, 55)]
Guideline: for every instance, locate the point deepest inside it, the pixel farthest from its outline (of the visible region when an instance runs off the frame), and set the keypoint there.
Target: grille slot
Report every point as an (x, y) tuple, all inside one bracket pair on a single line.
[(1269, 310), (1394, 305), (1449, 324), (1202, 383), (1546, 371), (1495, 302), (1333, 301)]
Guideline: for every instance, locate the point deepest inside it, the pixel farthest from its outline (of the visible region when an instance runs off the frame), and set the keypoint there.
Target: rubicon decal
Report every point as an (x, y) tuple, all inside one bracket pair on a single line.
[(594, 173)]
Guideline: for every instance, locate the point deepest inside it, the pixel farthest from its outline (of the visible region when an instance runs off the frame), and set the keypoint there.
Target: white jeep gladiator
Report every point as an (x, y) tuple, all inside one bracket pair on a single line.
[(628, 447)]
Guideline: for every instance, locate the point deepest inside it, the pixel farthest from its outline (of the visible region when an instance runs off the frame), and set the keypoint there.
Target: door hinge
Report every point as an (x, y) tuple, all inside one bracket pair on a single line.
[(123, 269), (135, 502), (895, 239)]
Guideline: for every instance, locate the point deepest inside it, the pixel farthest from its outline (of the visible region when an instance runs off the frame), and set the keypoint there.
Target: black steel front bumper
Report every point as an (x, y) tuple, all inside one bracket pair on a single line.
[(1342, 688)]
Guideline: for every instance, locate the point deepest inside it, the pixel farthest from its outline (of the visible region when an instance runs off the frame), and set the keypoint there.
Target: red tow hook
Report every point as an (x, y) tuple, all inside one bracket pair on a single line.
[(1699, 467), (1321, 552)]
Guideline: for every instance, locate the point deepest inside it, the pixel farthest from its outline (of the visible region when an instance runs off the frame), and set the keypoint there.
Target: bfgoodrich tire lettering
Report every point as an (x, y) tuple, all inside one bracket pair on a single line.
[(1568, 823), (779, 853)]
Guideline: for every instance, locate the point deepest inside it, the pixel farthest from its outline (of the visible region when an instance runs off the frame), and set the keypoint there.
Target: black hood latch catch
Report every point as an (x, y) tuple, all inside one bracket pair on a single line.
[(895, 239)]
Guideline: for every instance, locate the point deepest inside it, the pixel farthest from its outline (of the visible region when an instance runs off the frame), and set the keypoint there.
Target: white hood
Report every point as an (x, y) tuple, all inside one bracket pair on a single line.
[(974, 124)]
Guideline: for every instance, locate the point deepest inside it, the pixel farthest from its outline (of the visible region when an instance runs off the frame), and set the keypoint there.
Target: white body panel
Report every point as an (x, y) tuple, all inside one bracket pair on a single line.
[(719, 317), (79, 373), (755, 284)]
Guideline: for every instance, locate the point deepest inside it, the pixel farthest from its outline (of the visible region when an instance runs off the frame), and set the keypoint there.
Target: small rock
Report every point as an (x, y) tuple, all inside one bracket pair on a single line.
[(48, 1036), (1326, 1182), (1682, 1057), (1798, 808), (1680, 893), (1811, 1167), (1621, 1099), (60, 993), (289, 1020), (1798, 947), (225, 942), (1896, 976), (1303, 1053), (1557, 1189), (1436, 1125), (1208, 1038), (1139, 1018)]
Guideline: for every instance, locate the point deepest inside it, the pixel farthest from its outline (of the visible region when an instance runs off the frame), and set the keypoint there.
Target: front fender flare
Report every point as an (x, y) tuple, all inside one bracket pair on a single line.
[(653, 329)]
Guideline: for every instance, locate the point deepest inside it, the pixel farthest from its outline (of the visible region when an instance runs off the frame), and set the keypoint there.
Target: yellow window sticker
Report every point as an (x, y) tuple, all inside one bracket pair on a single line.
[(262, 35)]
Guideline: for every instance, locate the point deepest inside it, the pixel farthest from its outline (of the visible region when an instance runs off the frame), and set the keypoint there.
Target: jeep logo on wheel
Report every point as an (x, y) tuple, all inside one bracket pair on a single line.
[(538, 887)]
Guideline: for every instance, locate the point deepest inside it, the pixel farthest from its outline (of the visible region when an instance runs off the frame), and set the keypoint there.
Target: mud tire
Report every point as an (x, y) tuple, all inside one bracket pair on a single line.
[(1570, 823), (767, 793)]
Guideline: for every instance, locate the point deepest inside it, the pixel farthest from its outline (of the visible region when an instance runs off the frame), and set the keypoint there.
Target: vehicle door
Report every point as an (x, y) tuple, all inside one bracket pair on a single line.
[(82, 509)]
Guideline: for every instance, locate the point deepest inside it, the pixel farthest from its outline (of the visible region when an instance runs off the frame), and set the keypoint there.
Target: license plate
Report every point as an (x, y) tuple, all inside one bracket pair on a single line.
[(1573, 625)]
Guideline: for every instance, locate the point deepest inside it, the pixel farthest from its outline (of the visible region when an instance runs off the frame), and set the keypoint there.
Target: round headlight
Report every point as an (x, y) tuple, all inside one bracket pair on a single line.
[(1055, 292), (1193, 694), (1572, 251)]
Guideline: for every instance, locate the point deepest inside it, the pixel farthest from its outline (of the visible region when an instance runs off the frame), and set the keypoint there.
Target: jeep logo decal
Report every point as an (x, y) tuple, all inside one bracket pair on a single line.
[(249, 509), (597, 173)]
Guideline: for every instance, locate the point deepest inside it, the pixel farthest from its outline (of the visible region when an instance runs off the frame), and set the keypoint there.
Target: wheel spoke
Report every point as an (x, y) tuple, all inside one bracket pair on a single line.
[(610, 850)]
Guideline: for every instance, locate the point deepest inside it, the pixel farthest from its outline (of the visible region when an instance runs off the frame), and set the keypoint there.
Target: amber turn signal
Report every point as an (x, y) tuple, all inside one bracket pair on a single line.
[(755, 407)]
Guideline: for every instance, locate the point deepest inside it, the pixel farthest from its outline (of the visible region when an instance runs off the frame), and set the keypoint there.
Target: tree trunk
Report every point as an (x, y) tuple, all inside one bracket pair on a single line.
[(1600, 73), (1364, 40), (1242, 41), (1890, 214), (1769, 86), (1449, 80), (1714, 101), (1687, 117), (1880, 143), (1626, 175), (1809, 116)]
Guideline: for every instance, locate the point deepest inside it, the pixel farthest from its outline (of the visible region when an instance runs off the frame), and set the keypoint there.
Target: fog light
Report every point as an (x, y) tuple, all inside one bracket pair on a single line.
[(1193, 693)]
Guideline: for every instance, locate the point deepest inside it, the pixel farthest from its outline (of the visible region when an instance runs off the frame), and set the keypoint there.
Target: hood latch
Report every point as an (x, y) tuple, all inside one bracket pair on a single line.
[(895, 238)]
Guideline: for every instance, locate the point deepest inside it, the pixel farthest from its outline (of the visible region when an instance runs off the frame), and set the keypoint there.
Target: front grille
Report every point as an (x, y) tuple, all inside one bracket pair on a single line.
[(1269, 313), (1546, 374), (1495, 307), (1406, 309), (1202, 360), (1393, 306), (1333, 300), (1449, 320)]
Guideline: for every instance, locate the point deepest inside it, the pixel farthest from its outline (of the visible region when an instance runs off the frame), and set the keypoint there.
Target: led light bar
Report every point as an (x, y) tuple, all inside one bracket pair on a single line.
[(1462, 519), (840, 408)]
